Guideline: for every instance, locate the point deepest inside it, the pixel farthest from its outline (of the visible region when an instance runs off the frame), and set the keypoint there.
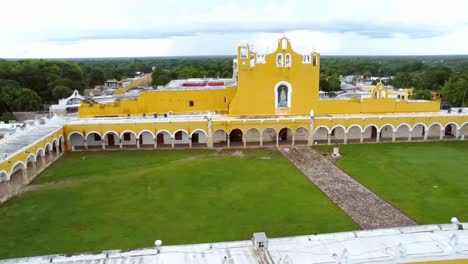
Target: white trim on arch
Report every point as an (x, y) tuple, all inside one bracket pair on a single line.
[(199, 130), (162, 131), (356, 125), (183, 130), (328, 130), (49, 148), (30, 155), (90, 132), (14, 166), (369, 125), (290, 90), (146, 130), (424, 125), (5, 178), (435, 123), (344, 128), (128, 131), (75, 132), (387, 124), (403, 124), (110, 132), (452, 123), (40, 150)]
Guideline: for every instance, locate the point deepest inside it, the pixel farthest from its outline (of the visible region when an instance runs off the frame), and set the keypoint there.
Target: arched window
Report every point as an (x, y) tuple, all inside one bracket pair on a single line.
[(282, 95), (306, 58), (288, 60), (279, 60), (315, 62), (244, 53)]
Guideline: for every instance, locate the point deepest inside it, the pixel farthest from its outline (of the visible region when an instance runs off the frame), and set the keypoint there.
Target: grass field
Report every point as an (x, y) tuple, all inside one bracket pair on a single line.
[(116, 200), (428, 181)]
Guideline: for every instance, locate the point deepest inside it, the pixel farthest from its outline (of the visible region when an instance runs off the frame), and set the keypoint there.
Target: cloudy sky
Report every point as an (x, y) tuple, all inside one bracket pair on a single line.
[(128, 28)]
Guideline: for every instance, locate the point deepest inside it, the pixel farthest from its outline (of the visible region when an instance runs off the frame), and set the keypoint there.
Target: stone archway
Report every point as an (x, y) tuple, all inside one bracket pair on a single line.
[(338, 134), (18, 177), (31, 170), (163, 139), (94, 140), (321, 135), (403, 133), (112, 140), (181, 139), (434, 132), (4, 185), (220, 138), (464, 131), (301, 136), (450, 131), (128, 140), (76, 141), (386, 133), (285, 136), (269, 136), (199, 139), (418, 132), (146, 140), (235, 138), (370, 134), (354, 134), (252, 137)]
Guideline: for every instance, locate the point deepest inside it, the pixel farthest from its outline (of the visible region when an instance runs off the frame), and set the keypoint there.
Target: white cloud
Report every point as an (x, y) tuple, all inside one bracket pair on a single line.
[(57, 28)]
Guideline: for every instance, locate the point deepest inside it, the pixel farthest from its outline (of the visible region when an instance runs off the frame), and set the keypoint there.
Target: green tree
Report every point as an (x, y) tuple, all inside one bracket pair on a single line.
[(61, 91), (422, 94), (7, 116), (455, 92)]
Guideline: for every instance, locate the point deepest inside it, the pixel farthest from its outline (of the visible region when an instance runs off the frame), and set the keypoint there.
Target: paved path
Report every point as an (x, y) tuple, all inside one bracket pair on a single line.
[(366, 208)]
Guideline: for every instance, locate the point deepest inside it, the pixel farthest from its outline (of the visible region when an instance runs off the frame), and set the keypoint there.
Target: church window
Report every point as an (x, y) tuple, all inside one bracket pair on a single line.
[(288, 60), (244, 53), (279, 60), (315, 60), (191, 103), (306, 58), (178, 135), (282, 95)]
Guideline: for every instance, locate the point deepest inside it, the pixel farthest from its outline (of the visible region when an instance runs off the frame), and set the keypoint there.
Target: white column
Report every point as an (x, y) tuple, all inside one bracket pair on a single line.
[(155, 143), (457, 134), (378, 137), (190, 141), (138, 143), (425, 133), (120, 144), (442, 132), (172, 142), (409, 136), (329, 139), (228, 141), (277, 140), (345, 138), (293, 139), (393, 136), (244, 141), (86, 144), (210, 133), (261, 140), (361, 138), (103, 144)]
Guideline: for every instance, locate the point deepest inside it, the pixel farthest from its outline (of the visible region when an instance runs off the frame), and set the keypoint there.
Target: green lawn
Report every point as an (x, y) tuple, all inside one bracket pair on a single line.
[(116, 200), (428, 181)]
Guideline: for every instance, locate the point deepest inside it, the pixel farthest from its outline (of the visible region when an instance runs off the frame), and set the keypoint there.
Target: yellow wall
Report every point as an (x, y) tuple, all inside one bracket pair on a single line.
[(161, 102)]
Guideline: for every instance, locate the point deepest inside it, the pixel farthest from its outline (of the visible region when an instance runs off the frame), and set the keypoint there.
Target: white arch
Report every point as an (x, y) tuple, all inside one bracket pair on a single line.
[(403, 124), (452, 123), (295, 131), (110, 132), (289, 92), (90, 132), (230, 131), (3, 176), (162, 131), (276, 132), (19, 162), (254, 128), (356, 125), (198, 130), (374, 125), (328, 130), (436, 123), (387, 124), (128, 131), (422, 124), (55, 142), (75, 132), (344, 128), (33, 160), (146, 130), (47, 147), (40, 150), (61, 138), (183, 130)]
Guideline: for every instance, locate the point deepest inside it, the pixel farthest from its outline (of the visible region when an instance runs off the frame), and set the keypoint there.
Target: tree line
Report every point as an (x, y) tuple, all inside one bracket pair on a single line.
[(32, 85)]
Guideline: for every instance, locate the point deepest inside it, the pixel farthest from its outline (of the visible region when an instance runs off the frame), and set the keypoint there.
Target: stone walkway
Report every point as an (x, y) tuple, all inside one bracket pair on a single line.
[(366, 208)]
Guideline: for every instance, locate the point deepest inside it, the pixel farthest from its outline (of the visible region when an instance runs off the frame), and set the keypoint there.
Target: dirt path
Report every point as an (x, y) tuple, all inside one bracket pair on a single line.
[(366, 208)]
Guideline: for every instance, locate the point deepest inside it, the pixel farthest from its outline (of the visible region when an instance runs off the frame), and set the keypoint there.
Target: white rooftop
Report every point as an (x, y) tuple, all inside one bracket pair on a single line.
[(395, 245), (20, 141)]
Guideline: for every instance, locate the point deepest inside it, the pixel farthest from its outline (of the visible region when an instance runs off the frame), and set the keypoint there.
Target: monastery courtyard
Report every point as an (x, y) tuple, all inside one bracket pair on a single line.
[(127, 199)]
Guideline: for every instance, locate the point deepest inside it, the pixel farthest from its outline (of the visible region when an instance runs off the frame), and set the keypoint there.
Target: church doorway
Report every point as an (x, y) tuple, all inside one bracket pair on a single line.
[(195, 138), (235, 137)]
